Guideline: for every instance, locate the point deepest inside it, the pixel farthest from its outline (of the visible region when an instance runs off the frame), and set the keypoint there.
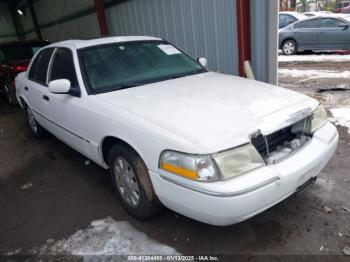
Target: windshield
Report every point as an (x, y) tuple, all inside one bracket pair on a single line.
[(122, 65), (17, 53)]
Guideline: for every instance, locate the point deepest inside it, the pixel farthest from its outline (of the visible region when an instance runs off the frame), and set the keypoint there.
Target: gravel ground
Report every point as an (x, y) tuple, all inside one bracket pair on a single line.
[(49, 193)]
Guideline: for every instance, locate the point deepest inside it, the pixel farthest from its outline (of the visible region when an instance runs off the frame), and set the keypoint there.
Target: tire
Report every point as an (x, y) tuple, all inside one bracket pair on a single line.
[(289, 47), (9, 93), (132, 183), (37, 130)]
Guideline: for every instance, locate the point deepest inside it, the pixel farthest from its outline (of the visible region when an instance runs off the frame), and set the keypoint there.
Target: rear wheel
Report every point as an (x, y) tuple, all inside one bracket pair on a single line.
[(10, 96), (37, 130), (132, 182), (289, 47)]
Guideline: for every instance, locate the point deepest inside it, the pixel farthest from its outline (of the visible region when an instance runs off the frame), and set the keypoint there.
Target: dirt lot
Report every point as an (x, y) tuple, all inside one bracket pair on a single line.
[(63, 193)]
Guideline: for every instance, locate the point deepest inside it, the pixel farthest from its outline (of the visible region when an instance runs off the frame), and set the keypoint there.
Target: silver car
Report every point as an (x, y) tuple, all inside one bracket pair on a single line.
[(317, 33)]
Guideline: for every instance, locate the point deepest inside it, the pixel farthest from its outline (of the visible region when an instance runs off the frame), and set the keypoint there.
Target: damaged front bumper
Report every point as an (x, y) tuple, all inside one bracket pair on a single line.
[(237, 199)]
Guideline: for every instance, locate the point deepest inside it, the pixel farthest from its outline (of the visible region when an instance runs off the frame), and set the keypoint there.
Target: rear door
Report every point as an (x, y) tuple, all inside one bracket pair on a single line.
[(36, 86), (307, 34), (334, 34)]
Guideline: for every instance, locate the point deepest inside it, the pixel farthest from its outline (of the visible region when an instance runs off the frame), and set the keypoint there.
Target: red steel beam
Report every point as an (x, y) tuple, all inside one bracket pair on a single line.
[(243, 30), (101, 16)]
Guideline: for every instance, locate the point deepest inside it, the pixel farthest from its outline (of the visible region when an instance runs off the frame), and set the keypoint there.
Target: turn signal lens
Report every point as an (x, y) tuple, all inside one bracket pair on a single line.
[(194, 167)]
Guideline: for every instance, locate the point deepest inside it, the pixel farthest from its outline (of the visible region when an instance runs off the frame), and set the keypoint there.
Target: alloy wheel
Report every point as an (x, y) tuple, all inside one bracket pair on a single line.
[(126, 181), (289, 48)]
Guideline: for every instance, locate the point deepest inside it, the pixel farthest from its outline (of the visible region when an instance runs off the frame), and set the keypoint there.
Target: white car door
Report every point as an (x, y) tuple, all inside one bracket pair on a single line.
[(66, 111), (36, 87)]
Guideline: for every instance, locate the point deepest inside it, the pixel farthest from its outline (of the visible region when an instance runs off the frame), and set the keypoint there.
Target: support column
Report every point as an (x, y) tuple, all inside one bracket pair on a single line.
[(243, 30), (102, 21), (34, 19)]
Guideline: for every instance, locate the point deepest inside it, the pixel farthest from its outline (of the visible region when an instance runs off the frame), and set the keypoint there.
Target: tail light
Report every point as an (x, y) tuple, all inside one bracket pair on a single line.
[(18, 69)]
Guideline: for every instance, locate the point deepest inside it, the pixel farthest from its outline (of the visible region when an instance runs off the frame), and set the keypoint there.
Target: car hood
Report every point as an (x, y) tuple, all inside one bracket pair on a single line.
[(212, 111)]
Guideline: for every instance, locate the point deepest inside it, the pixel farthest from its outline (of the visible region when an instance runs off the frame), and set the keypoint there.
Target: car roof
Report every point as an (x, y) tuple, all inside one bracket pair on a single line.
[(81, 43), (295, 14)]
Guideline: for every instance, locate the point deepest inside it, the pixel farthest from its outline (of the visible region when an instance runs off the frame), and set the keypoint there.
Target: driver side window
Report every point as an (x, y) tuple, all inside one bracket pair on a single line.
[(63, 68)]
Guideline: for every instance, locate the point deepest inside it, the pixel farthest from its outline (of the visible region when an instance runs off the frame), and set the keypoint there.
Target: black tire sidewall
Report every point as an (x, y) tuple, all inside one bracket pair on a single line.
[(40, 131), (149, 203)]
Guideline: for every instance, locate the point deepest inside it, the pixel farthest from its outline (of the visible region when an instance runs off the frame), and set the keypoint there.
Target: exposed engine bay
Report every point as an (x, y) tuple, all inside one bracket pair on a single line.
[(280, 144)]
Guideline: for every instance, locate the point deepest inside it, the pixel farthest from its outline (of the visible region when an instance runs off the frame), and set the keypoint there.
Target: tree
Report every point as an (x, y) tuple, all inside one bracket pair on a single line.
[(303, 4)]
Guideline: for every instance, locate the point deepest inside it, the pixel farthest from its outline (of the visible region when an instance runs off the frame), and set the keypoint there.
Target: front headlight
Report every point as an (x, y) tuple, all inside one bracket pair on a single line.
[(319, 118), (193, 167), (224, 165), (238, 161)]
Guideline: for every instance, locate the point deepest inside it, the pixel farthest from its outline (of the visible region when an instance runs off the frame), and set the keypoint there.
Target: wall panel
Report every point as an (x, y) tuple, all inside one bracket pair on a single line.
[(200, 27)]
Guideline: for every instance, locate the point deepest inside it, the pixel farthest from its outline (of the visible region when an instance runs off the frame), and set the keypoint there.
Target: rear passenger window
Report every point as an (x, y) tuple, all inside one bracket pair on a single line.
[(38, 70), (309, 24), (63, 67), (331, 23)]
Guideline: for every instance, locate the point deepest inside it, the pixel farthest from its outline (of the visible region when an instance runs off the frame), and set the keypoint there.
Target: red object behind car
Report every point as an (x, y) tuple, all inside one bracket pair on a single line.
[(15, 58), (346, 10)]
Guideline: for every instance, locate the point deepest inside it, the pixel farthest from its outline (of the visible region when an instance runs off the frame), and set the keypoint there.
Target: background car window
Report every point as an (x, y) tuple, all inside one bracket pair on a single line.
[(308, 24), (63, 67), (331, 23), (286, 20), (42, 66)]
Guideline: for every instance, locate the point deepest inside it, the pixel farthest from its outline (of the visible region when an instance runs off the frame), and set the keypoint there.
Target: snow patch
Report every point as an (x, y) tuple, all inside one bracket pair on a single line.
[(107, 237), (341, 116), (313, 74), (314, 58)]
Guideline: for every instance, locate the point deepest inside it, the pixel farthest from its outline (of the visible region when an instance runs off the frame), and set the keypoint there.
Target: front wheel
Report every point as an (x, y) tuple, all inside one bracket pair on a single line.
[(132, 182), (289, 47)]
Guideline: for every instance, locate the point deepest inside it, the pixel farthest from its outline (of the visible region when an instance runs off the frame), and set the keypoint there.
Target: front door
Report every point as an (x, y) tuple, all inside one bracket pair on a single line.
[(65, 109), (335, 34)]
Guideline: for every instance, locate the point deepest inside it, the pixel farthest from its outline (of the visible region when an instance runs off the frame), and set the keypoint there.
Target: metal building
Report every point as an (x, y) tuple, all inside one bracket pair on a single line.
[(227, 32)]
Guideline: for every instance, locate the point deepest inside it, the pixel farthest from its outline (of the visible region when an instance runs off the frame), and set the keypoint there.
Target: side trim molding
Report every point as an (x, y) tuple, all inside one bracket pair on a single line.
[(58, 125)]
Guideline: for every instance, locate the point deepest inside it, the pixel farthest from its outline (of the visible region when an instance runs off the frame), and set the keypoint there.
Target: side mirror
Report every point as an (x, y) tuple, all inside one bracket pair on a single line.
[(203, 61), (59, 86)]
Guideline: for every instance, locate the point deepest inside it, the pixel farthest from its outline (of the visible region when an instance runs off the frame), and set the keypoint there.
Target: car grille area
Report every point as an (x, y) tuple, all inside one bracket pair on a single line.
[(278, 145)]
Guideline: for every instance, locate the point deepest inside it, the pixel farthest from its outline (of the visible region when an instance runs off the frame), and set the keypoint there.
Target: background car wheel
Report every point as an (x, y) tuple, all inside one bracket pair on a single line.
[(10, 96), (37, 130), (132, 182), (289, 47)]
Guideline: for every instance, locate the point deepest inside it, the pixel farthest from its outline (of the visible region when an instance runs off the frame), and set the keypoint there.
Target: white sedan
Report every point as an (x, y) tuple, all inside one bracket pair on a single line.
[(213, 147)]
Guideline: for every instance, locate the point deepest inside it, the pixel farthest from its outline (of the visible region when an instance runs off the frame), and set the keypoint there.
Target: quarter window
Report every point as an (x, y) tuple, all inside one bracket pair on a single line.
[(308, 24)]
